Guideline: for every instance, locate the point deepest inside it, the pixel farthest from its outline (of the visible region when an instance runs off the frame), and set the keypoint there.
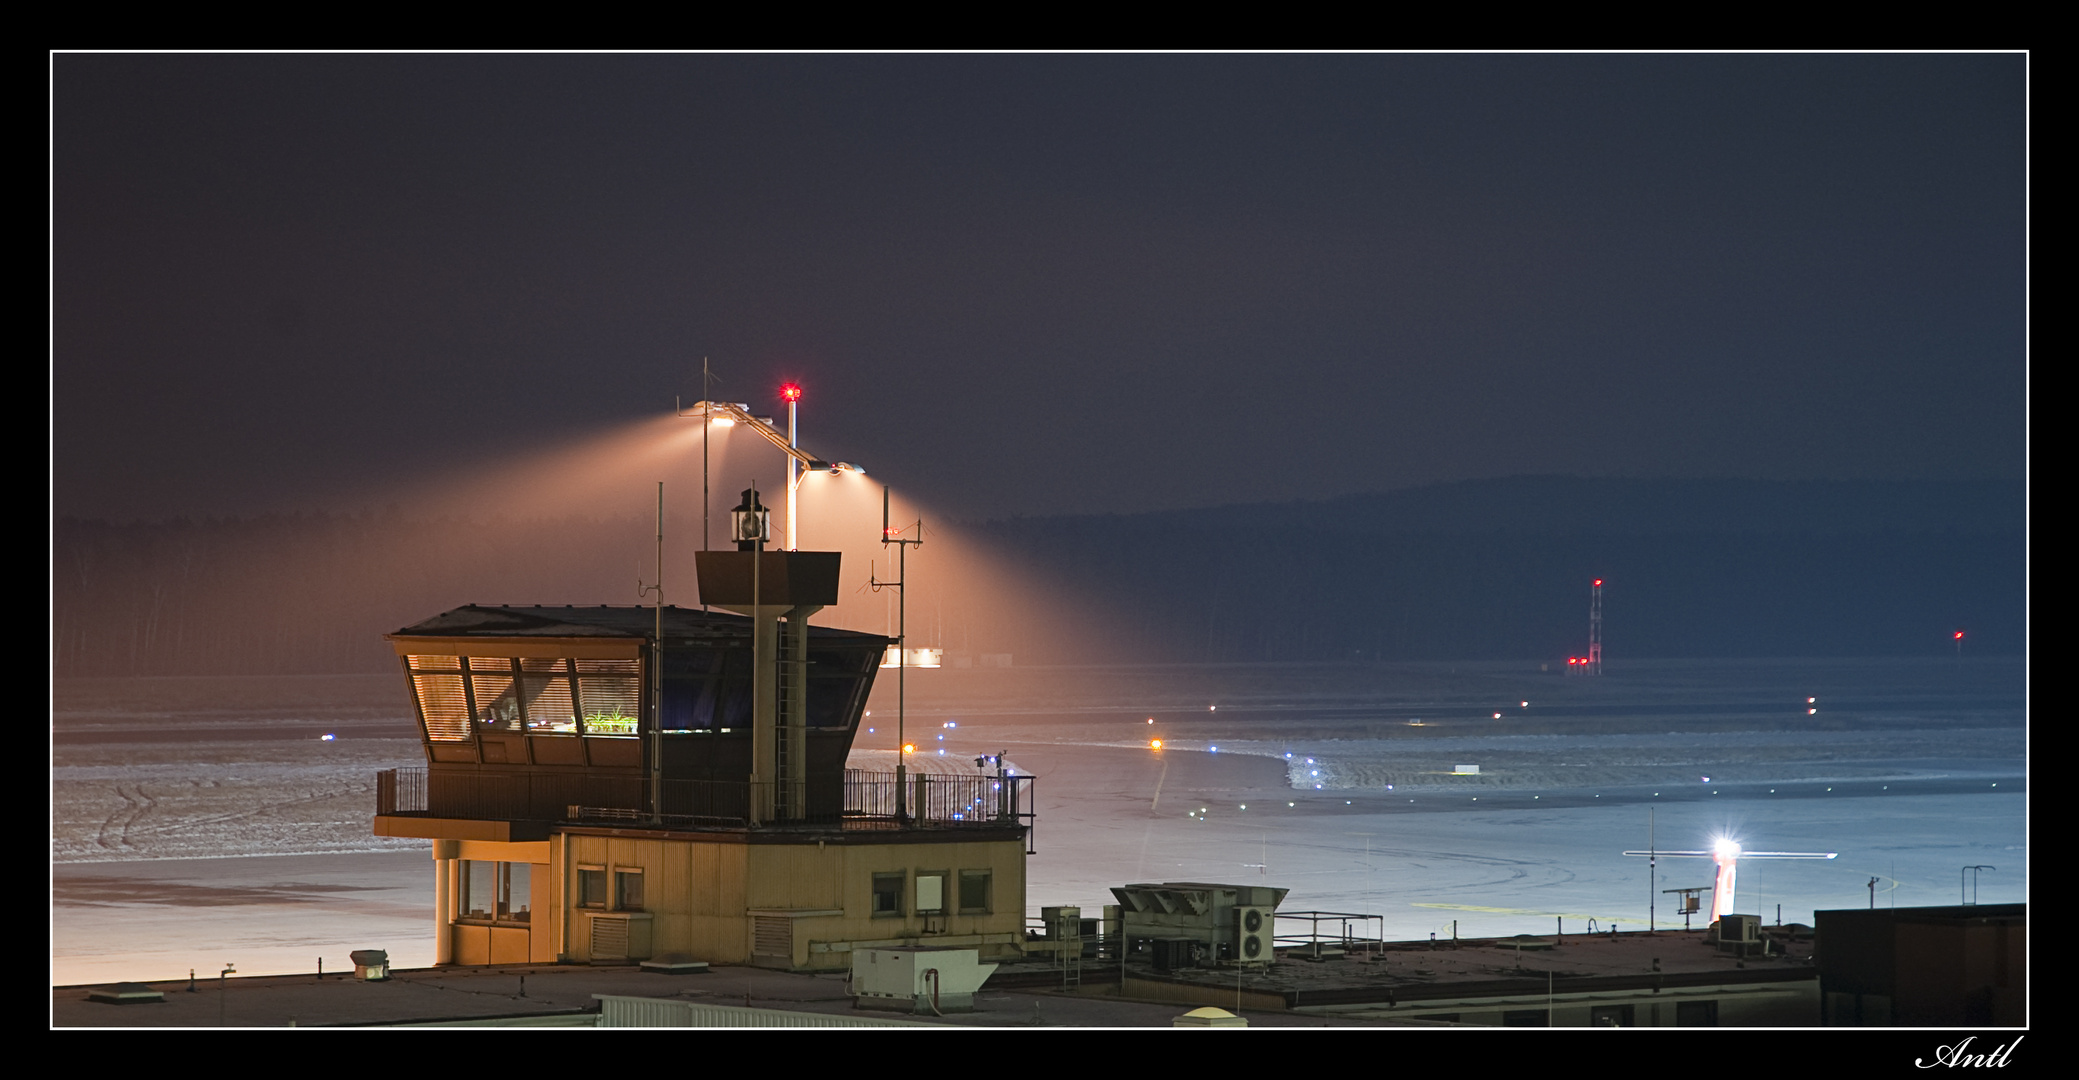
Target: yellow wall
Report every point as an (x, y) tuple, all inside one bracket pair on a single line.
[(477, 944), (704, 896)]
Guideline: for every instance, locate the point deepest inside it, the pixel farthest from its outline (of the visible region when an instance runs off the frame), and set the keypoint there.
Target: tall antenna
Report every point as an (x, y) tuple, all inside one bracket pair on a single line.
[(1595, 628), (707, 393), (656, 712), (890, 535)]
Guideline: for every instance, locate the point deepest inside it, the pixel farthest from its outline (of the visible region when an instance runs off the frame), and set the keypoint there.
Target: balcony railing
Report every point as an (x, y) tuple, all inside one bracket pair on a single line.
[(862, 800)]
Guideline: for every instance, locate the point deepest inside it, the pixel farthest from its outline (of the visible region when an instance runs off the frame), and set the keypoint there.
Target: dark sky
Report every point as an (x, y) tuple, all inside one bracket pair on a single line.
[(1037, 284)]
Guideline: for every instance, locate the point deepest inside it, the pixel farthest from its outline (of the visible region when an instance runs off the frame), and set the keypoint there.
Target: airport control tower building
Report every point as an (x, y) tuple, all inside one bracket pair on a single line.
[(615, 784)]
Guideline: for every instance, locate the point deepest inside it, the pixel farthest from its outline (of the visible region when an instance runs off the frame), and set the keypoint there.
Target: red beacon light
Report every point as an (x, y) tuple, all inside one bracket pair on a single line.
[(1959, 635), (790, 391)]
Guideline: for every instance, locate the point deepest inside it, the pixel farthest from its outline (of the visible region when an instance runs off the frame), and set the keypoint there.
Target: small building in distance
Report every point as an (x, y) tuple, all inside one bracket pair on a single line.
[(1954, 966), (613, 784)]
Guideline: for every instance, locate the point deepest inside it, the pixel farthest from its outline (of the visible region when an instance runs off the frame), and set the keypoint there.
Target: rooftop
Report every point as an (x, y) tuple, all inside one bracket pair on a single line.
[(1357, 988), (603, 621)]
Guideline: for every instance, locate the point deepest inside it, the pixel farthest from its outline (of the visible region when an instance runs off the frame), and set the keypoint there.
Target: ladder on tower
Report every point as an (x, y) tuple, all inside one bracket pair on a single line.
[(789, 731)]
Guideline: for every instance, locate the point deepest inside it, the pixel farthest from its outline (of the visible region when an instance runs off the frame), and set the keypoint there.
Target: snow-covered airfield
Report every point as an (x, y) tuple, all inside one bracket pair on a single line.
[(203, 821)]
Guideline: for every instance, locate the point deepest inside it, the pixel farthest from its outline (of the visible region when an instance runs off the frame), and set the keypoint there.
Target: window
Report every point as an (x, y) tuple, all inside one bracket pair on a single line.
[(931, 892), (479, 889), (1524, 1018), (495, 891), (1696, 1014), (611, 695), (887, 894), (515, 882), (1610, 1016), (974, 892), (592, 886), (627, 890)]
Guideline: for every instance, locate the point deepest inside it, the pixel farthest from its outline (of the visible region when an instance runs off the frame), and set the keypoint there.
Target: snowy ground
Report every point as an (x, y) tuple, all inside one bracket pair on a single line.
[(202, 821)]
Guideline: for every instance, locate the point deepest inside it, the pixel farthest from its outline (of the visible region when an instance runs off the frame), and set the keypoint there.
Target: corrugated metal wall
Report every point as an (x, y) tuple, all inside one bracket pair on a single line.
[(615, 1011)]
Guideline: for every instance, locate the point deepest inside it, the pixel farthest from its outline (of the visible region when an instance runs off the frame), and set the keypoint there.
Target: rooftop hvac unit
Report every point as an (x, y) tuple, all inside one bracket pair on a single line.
[(1740, 934), (1214, 917), (372, 965), (1255, 934), (619, 937), (918, 979)]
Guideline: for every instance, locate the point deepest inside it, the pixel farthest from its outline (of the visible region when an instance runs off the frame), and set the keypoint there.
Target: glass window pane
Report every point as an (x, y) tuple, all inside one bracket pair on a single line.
[(479, 889), (628, 890), (549, 707), (974, 890), (442, 704), (514, 882), (591, 888), (887, 894), (611, 701), (497, 700)]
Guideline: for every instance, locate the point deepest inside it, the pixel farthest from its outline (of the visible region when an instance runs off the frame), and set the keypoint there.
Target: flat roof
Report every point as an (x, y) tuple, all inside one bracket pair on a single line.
[(681, 625), (1410, 972), (552, 995), (1019, 994)]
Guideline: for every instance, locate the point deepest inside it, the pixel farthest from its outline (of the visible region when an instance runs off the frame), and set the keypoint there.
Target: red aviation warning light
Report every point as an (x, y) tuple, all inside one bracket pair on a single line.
[(790, 391)]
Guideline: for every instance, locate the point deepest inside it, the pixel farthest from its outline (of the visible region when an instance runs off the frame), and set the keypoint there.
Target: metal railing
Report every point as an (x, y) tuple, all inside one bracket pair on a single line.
[(1351, 931), (861, 800)]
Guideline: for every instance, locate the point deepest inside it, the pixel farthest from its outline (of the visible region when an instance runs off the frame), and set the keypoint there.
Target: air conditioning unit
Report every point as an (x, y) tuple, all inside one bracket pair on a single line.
[(918, 979), (1740, 934), (1255, 930)]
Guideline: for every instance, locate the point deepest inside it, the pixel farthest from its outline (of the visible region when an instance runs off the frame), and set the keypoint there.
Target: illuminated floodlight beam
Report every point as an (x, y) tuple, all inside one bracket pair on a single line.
[(729, 413), (1727, 854)]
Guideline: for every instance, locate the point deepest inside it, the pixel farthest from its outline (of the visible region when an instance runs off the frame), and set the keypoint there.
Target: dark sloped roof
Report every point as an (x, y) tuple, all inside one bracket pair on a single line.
[(631, 621)]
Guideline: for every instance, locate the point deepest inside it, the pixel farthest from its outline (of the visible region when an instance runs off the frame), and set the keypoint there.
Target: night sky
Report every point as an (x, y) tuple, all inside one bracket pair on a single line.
[(1037, 284)]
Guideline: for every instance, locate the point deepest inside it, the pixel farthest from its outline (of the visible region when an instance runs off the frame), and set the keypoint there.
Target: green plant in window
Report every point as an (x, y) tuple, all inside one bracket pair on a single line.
[(610, 723)]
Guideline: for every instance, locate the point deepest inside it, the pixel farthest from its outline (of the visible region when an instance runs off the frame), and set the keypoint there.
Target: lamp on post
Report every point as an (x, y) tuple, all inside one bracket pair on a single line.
[(750, 524)]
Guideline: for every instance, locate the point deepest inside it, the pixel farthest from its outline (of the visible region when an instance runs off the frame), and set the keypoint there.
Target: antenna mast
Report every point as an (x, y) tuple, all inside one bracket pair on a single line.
[(656, 709), (890, 535), (1595, 628)]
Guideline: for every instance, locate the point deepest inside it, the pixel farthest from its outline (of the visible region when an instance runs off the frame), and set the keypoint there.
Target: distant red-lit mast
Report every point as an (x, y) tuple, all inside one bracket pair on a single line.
[(791, 392), (1595, 628)]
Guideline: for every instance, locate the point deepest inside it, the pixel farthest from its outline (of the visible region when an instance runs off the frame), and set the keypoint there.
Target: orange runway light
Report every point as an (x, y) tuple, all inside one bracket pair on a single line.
[(1154, 744)]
